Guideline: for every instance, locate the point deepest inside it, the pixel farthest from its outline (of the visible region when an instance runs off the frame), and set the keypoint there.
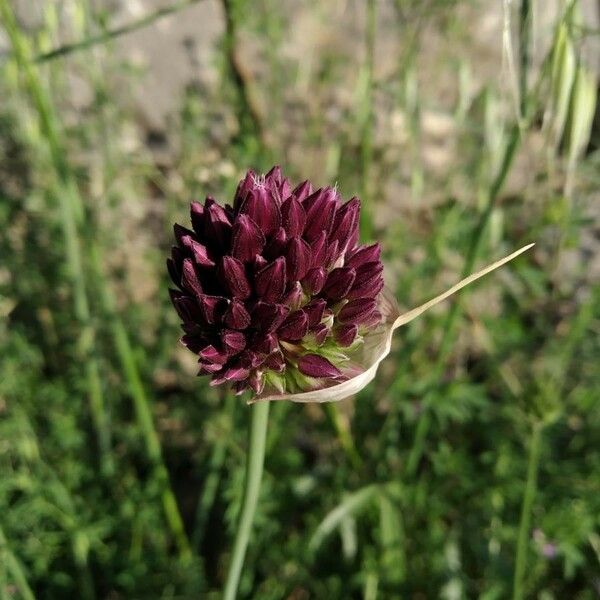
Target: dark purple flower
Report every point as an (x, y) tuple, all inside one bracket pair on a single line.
[(276, 289)]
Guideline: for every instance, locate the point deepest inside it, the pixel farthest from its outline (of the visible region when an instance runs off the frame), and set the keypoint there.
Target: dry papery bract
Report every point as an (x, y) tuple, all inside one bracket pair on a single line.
[(362, 369)]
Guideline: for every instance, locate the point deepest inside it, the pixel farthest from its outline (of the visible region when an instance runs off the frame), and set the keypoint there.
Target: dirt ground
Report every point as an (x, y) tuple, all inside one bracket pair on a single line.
[(182, 47)]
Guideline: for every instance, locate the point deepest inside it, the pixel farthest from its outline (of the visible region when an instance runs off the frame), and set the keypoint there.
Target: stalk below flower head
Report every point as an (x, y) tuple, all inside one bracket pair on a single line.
[(275, 293)]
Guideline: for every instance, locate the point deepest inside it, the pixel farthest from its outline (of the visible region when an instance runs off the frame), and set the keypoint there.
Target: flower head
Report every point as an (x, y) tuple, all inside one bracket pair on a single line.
[(275, 291)]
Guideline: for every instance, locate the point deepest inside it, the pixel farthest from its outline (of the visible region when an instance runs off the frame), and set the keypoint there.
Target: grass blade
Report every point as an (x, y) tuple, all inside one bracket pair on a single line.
[(114, 33), (350, 505), (15, 569), (525, 522), (66, 193), (72, 212)]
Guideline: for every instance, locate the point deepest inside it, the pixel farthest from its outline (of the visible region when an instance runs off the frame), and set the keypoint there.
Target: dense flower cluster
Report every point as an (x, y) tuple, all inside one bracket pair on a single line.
[(275, 290)]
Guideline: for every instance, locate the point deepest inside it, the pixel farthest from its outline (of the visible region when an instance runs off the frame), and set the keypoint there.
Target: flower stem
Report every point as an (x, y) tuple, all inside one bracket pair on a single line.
[(528, 497), (254, 469)]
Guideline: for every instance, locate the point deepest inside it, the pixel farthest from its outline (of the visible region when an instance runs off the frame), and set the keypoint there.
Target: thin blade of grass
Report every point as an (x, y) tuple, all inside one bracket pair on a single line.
[(365, 112), (525, 521), (211, 484), (142, 408), (350, 505), (72, 210), (424, 421), (15, 569), (110, 34), (66, 193)]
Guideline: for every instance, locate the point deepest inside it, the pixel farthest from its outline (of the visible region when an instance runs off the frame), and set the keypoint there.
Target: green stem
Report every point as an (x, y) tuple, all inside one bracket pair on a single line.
[(524, 53), (254, 469), (248, 113), (424, 421), (86, 582), (71, 211), (528, 497), (366, 141), (153, 448), (475, 244), (418, 446)]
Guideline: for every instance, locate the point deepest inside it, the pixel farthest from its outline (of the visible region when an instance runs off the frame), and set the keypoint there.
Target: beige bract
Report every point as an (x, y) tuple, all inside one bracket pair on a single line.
[(362, 367)]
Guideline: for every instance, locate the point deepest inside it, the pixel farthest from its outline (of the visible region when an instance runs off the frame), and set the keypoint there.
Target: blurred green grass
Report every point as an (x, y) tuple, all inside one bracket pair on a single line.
[(422, 486)]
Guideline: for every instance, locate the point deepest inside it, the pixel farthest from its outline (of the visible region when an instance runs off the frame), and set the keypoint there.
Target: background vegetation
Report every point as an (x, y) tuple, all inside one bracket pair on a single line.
[(468, 469)]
